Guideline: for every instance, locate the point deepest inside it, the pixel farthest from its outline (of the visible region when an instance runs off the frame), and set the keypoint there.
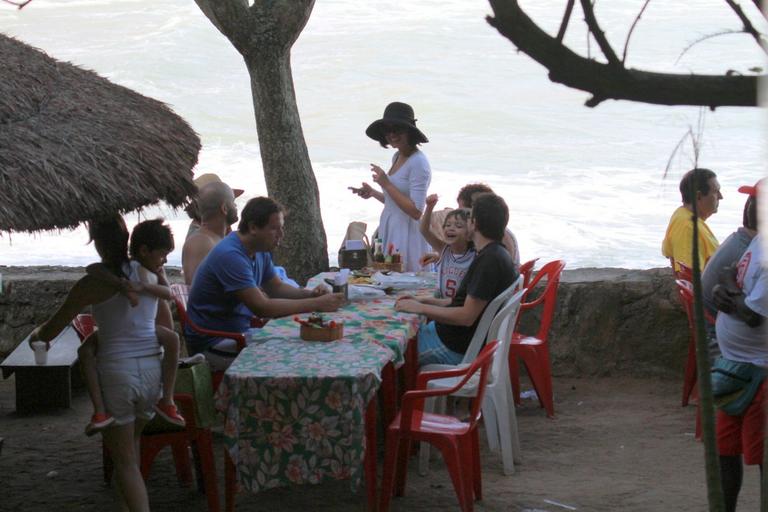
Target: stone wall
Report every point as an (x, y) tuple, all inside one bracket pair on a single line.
[(608, 321)]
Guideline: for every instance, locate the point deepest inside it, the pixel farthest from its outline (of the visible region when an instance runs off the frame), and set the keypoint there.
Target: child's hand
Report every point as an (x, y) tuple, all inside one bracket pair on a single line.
[(131, 290), (431, 201)]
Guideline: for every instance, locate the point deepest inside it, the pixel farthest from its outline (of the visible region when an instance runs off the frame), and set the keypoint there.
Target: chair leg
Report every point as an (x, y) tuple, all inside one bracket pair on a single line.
[(474, 449), (689, 380), (182, 461), (404, 451), (230, 483), (541, 378), (430, 405), (506, 425), (148, 453), (514, 377), (514, 436), (390, 467), (491, 422), (204, 445), (460, 478)]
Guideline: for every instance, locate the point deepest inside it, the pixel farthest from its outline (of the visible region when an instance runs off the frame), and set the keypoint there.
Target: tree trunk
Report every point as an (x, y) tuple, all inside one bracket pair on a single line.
[(263, 33), (287, 168)]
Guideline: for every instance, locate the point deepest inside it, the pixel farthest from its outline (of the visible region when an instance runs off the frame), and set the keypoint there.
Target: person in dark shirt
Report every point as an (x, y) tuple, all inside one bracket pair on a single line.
[(445, 338)]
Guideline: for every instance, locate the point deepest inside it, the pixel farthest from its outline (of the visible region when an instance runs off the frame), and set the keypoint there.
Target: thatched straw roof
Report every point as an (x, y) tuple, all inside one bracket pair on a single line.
[(74, 146)]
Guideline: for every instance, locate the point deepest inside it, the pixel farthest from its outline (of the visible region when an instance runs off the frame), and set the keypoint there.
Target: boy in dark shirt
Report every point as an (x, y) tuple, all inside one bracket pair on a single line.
[(446, 337)]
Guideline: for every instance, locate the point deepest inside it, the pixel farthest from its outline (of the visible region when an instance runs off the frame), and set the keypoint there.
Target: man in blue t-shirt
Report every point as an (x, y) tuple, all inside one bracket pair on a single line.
[(446, 337), (237, 280)]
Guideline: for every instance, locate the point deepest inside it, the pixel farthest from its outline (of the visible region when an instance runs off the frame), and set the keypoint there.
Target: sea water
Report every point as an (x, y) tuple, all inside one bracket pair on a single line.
[(584, 184)]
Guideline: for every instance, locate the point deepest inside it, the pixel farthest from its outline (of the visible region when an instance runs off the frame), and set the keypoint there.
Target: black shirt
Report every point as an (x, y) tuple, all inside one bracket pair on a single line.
[(492, 272)]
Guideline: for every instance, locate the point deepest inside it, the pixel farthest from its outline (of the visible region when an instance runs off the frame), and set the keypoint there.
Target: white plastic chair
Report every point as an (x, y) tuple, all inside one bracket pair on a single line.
[(498, 407)]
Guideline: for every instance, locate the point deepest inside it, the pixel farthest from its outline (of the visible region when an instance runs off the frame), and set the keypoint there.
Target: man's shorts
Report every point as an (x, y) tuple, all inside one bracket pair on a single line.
[(737, 435), (432, 350), (130, 387), (221, 353)]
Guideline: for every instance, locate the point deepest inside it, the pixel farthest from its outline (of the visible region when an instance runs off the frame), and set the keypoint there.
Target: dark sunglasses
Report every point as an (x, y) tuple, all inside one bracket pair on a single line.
[(393, 128)]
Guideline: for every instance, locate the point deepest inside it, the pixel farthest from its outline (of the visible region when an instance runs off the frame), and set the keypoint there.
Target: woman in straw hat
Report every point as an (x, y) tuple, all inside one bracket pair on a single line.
[(404, 187)]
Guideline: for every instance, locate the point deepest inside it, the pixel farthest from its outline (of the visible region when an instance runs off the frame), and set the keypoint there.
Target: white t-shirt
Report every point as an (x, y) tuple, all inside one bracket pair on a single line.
[(738, 341)]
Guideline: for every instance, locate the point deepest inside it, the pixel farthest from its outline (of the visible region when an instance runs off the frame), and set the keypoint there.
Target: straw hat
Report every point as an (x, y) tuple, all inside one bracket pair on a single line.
[(209, 177)]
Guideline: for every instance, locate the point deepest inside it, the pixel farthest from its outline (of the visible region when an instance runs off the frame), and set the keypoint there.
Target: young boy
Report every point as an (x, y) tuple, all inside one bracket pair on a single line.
[(151, 241)]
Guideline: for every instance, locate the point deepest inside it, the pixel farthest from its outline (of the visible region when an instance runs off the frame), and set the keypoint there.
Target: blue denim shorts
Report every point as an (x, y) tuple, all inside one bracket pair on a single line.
[(432, 350)]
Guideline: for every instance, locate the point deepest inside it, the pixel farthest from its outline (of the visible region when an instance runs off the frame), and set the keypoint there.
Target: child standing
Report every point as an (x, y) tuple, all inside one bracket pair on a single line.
[(141, 276), (456, 253)]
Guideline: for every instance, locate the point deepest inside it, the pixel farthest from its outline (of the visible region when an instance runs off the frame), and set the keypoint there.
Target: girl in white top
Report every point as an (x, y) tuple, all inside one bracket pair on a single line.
[(404, 187), (456, 253)]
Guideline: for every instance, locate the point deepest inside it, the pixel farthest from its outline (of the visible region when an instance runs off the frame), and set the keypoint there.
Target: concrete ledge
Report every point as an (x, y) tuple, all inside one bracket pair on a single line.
[(608, 322)]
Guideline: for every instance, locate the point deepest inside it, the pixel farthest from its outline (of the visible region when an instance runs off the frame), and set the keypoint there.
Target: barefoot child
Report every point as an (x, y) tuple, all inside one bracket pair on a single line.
[(151, 242), (456, 253)]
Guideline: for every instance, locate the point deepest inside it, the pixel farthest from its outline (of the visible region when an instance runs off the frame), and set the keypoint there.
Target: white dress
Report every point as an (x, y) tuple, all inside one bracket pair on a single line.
[(395, 226)]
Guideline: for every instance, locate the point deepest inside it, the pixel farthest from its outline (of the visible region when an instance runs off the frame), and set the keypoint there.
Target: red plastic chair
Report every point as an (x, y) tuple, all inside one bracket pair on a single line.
[(685, 292), (83, 325), (457, 440), (180, 294), (684, 272), (526, 270), (534, 350)]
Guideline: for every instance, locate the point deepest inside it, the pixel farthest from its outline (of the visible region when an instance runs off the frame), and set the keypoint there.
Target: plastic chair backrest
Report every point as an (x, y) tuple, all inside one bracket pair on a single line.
[(685, 272), (551, 271), (481, 333), (526, 269), (501, 330), (180, 293), (483, 365), (84, 325)]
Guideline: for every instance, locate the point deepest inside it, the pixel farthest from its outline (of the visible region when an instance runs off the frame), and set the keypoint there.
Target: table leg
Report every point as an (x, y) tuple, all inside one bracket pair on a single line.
[(370, 454), (411, 365), (389, 393), (230, 483)]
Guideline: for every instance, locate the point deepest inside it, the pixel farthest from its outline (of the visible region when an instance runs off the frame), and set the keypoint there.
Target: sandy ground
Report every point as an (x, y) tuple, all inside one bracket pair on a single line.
[(616, 444)]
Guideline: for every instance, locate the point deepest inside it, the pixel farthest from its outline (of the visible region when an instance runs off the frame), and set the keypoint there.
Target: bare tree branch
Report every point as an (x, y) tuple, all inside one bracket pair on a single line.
[(605, 81), (704, 38), (20, 5), (598, 34), (632, 29), (566, 19), (748, 27)]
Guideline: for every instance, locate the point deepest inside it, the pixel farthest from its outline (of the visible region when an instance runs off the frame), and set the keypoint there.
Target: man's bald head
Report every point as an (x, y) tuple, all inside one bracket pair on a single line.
[(211, 198)]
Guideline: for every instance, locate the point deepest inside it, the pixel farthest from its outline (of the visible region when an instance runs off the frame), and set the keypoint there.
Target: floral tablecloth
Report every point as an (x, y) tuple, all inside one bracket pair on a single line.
[(294, 410)]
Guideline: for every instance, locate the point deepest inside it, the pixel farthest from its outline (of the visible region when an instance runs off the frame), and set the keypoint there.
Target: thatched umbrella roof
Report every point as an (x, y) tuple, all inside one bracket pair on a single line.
[(74, 146)]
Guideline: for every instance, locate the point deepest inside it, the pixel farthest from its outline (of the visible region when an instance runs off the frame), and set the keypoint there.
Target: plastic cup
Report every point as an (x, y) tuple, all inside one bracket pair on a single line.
[(41, 354)]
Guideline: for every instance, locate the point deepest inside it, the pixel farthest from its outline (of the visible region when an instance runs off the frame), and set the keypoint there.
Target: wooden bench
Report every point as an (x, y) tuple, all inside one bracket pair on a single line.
[(46, 385)]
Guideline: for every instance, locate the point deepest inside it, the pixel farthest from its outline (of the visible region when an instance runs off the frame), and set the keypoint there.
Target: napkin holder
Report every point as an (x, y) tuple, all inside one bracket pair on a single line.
[(325, 333)]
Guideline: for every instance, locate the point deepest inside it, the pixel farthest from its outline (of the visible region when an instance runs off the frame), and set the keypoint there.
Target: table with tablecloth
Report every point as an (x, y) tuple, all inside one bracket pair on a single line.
[(295, 410)]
